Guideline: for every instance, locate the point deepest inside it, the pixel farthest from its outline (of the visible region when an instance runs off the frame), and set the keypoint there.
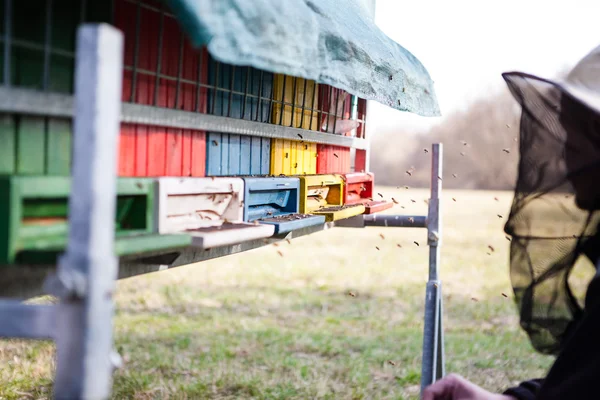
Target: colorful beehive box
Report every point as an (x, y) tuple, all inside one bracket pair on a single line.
[(276, 201), (323, 195), (210, 210), (34, 219), (300, 98), (337, 106), (333, 159), (289, 157), (240, 93), (358, 189), (161, 69), (40, 145)]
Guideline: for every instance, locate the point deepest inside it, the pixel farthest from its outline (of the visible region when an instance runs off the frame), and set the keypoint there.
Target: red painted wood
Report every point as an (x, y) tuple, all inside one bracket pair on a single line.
[(198, 158), (358, 187), (126, 150), (141, 150), (373, 207), (158, 151), (332, 159), (360, 161)]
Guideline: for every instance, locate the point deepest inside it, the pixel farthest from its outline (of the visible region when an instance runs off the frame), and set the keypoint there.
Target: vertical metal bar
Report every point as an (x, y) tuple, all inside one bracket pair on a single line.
[(354, 111), (271, 99), (319, 95), (47, 46), (304, 105), (329, 111), (294, 94), (282, 100), (433, 347), (161, 29), (246, 89), (87, 272), (7, 41), (335, 110), (179, 70), (199, 83), (215, 88), (260, 106), (136, 51), (231, 84)]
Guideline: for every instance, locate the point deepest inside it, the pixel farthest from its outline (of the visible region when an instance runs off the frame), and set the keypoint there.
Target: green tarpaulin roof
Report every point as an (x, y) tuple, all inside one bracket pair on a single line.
[(334, 42)]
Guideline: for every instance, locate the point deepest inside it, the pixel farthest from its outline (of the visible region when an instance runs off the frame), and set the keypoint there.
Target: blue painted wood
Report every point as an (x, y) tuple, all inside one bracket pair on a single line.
[(270, 197), (254, 106), (229, 154), (267, 198), (303, 221)]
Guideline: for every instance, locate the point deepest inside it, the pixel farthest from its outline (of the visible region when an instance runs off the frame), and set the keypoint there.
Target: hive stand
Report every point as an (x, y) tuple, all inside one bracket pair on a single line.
[(81, 323), (433, 335)]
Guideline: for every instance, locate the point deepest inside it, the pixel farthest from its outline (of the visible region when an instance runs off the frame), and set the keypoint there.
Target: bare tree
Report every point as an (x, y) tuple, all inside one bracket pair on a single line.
[(480, 148)]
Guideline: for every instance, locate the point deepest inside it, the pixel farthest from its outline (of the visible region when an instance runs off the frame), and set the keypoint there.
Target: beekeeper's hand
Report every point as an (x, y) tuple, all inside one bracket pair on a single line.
[(455, 387)]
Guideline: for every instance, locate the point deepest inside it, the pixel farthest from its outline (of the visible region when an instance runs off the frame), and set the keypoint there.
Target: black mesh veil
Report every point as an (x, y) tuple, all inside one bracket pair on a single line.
[(553, 220)]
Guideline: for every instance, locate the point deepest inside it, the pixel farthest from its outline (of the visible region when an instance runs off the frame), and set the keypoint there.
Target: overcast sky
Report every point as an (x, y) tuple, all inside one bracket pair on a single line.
[(465, 45)]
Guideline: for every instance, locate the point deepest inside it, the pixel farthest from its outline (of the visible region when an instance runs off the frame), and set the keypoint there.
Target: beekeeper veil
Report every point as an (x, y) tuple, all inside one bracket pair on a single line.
[(553, 222)]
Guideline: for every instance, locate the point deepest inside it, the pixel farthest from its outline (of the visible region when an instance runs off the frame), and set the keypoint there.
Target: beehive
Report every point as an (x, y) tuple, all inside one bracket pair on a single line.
[(300, 105)]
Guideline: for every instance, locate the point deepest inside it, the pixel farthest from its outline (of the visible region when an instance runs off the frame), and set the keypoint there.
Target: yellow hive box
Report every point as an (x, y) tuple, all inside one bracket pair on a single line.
[(306, 93), (323, 195), (290, 157)]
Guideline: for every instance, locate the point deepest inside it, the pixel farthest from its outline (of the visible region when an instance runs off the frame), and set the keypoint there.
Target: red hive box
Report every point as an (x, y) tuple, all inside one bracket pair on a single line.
[(333, 159), (358, 189), (173, 83)]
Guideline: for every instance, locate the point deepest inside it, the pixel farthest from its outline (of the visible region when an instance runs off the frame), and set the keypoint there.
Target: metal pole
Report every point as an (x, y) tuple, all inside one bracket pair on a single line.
[(395, 221), (87, 271), (433, 339)]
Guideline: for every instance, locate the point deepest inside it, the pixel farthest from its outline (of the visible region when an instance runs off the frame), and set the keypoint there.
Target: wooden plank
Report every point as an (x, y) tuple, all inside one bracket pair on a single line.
[(189, 203), (59, 153), (199, 153), (174, 152), (245, 160), (31, 145), (156, 151), (333, 159), (291, 157), (8, 138), (265, 163), (342, 213), (233, 166), (186, 150)]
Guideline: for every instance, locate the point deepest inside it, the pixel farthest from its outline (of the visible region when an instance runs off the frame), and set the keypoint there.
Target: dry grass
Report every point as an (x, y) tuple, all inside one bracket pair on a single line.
[(259, 325)]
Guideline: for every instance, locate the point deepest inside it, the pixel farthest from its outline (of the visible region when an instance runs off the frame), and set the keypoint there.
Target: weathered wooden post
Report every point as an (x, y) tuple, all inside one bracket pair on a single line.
[(87, 272)]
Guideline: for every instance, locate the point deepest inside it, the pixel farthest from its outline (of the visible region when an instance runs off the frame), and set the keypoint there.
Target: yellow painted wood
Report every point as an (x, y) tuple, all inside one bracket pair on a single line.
[(318, 191), (289, 157), (300, 96), (340, 214)]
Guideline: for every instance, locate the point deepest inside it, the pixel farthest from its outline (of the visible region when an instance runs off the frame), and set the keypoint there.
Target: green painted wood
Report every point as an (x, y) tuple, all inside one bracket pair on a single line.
[(1, 48), (31, 145), (7, 144), (124, 246), (150, 243), (58, 150), (10, 212), (34, 216)]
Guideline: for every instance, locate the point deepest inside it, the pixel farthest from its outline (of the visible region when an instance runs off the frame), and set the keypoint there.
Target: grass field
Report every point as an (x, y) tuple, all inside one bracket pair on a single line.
[(269, 326)]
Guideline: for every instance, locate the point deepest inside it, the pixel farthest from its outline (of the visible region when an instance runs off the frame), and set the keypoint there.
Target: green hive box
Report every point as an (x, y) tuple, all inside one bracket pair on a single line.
[(39, 145), (34, 224)]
